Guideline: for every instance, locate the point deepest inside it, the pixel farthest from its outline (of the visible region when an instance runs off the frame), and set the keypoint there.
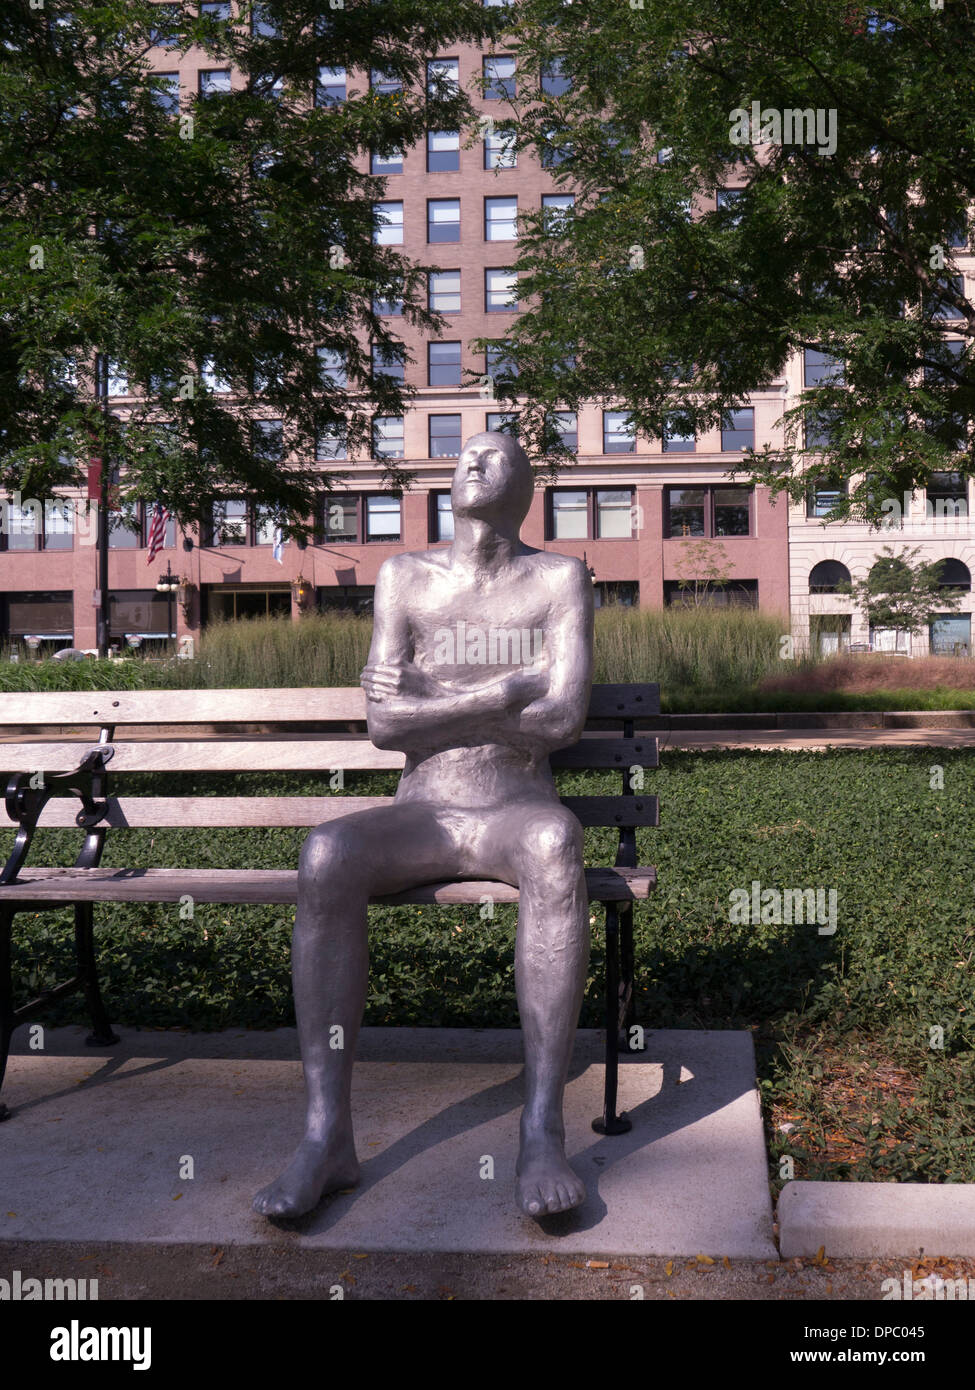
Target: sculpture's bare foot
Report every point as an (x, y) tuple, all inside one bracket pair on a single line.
[(319, 1166), (546, 1183)]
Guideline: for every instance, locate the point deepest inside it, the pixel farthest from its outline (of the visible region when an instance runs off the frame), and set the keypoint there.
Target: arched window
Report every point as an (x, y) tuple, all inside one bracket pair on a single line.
[(827, 576), (954, 574)]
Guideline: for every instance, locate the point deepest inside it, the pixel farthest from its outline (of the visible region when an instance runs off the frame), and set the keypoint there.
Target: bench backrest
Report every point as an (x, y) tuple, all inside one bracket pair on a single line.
[(286, 730)]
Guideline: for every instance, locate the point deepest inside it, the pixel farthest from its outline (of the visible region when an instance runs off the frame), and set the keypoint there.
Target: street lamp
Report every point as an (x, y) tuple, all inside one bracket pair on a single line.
[(168, 584)]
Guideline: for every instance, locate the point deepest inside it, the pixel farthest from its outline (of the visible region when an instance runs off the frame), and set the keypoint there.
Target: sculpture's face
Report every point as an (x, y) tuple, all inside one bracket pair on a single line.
[(492, 479)]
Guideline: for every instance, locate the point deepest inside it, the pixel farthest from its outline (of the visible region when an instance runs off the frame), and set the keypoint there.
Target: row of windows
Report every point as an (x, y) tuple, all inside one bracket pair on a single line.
[(443, 293), (500, 217), (946, 492), (828, 576)]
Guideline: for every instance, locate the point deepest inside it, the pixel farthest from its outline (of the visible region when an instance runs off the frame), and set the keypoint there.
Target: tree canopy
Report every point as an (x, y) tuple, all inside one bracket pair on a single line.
[(201, 251), (842, 139)]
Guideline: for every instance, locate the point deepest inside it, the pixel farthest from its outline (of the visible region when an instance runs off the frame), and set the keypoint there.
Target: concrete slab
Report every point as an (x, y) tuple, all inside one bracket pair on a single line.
[(877, 1218), (94, 1145)]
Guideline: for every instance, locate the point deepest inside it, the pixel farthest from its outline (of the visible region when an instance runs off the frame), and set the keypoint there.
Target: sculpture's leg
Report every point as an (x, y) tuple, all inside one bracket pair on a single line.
[(551, 957), (342, 864)]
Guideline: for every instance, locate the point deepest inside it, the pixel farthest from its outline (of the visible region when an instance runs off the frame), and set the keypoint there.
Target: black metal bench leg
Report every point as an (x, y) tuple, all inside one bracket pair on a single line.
[(609, 1122), (101, 1034), (6, 999)]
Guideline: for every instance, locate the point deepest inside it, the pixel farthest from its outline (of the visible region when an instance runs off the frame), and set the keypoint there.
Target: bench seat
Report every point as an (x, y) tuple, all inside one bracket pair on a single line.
[(277, 886)]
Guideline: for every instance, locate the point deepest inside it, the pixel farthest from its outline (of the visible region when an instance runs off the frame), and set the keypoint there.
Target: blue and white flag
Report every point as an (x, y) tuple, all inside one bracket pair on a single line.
[(278, 550)]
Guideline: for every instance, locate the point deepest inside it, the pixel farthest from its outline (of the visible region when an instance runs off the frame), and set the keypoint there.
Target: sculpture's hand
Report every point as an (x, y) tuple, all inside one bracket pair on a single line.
[(524, 686), (384, 680)]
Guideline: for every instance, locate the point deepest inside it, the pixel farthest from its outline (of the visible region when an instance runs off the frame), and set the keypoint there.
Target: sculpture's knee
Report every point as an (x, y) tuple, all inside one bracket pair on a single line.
[(551, 850), (328, 858)]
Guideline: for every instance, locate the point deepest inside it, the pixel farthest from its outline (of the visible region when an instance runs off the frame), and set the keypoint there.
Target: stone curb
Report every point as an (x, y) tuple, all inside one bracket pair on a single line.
[(871, 1219)]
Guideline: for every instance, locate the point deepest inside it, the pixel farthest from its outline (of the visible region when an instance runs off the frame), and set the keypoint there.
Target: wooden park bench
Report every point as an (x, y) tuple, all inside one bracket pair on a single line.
[(66, 757)]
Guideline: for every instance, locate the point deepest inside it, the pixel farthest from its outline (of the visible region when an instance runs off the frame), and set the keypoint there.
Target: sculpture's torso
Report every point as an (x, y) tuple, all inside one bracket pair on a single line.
[(467, 631)]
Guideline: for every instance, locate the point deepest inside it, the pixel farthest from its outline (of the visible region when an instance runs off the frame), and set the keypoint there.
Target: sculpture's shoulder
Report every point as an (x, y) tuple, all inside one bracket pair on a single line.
[(565, 574), (409, 567)]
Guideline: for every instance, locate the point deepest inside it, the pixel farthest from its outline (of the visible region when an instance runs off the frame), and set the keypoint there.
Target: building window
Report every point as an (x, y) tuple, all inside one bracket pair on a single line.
[(501, 422), (123, 530), (707, 511), (49, 616), (624, 592), (214, 81), (499, 77), (388, 437), (382, 518), (823, 497), (500, 291), (947, 494), (614, 514), (829, 633), (566, 423), (443, 77), (262, 26), (955, 574), (331, 444), (340, 519), (590, 513), (500, 219), (939, 306), (827, 576), (570, 515), (443, 518), (500, 150), (443, 219), (555, 83), (211, 378), (267, 440), (166, 33), (382, 84), (499, 365), (556, 149), (443, 151), (737, 593), (820, 428), (388, 305), (821, 368), (23, 527), (443, 364), (216, 9), (951, 635), (387, 224), (727, 199), (445, 436), (332, 367), (229, 522), (738, 429), (389, 163), (231, 604), (619, 436), (387, 361), (556, 211), (265, 526), (165, 91), (678, 437), (330, 88), (443, 291)]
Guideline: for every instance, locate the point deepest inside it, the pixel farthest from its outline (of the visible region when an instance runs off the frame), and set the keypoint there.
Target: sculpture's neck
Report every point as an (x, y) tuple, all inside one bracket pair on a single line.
[(480, 545)]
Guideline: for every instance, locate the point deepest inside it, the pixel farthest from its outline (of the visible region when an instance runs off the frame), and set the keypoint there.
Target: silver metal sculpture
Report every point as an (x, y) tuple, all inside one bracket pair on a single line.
[(480, 666)]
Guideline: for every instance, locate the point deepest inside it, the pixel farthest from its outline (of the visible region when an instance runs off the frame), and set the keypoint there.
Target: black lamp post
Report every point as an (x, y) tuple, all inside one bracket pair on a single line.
[(168, 584)]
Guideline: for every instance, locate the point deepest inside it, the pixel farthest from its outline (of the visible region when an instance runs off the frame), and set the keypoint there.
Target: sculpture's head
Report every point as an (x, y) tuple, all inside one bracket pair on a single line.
[(493, 480)]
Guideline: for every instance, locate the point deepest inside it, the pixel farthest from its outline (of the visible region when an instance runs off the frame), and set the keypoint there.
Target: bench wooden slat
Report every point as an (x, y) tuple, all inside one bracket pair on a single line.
[(298, 753), (301, 705), (268, 886), (158, 812), (121, 707)]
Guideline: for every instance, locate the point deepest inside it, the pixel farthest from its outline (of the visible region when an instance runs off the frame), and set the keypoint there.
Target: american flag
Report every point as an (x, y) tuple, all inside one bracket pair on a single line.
[(157, 531)]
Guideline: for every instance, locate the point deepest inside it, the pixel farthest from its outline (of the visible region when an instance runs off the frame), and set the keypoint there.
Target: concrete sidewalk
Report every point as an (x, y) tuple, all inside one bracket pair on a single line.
[(97, 1141)]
